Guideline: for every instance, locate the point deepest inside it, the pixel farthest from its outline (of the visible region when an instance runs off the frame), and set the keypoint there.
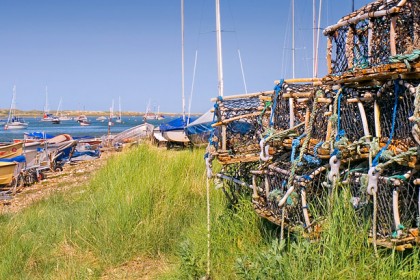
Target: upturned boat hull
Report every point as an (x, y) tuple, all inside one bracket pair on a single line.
[(10, 151), (176, 136), (7, 170)]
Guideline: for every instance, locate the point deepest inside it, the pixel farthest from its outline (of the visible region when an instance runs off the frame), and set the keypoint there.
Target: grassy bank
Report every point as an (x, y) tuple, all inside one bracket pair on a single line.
[(149, 205)]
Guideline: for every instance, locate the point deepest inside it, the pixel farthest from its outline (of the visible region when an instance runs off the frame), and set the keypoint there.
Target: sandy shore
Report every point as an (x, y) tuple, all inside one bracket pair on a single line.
[(73, 175)]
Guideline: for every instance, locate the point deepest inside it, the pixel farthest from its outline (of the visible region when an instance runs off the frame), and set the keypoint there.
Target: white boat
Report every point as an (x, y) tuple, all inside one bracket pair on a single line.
[(81, 118), (101, 118), (84, 123), (159, 116), (133, 134), (149, 115), (14, 121)]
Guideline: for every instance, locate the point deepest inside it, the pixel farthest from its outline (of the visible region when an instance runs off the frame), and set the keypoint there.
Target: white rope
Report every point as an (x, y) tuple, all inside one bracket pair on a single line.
[(375, 212), (208, 228), (192, 84), (242, 71)]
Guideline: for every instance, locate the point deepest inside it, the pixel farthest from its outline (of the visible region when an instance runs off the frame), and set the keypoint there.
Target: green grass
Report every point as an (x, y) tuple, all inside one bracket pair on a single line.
[(151, 203)]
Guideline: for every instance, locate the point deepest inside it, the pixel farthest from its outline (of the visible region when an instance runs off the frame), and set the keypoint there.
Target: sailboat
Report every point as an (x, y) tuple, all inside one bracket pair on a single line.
[(14, 121), (60, 115), (149, 115), (47, 117), (159, 116), (119, 120), (174, 131)]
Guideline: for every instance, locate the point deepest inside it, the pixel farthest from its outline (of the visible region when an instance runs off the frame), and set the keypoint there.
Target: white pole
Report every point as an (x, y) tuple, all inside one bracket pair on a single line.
[(293, 39), (182, 58), (317, 39), (219, 49)]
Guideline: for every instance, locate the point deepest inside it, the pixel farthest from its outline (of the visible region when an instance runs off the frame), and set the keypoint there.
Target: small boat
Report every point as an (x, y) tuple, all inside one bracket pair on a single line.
[(81, 118), (84, 123), (11, 150), (101, 118), (7, 170), (56, 120), (65, 117), (134, 134), (158, 137), (10, 169), (13, 121), (174, 131), (47, 117)]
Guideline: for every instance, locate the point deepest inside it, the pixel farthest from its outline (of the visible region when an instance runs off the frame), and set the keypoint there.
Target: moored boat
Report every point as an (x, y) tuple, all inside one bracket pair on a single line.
[(14, 121)]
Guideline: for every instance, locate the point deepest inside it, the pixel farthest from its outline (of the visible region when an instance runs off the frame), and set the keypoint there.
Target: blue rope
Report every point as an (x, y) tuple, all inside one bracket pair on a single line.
[(394, 117), (277, 90), (295, 144), (311, 160)]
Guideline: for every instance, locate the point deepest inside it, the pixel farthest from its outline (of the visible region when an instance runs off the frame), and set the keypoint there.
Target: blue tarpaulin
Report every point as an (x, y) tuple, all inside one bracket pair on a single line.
[(38, 135), (176, 124), (14, 159)]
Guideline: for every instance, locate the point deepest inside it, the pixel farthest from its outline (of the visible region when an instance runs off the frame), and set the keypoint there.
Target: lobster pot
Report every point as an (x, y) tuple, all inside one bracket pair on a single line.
[(395, 113), (237, 180), (397, 203), (319, 129), (370, 35), (305, 203), (282, 111), (351, 114), (243, 119)]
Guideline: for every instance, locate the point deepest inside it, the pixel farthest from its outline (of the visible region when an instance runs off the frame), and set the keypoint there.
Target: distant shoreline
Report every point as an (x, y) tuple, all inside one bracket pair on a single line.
[(75, 113)]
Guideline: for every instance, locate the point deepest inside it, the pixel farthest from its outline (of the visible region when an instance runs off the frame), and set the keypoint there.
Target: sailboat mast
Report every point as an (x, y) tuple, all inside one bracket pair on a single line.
[(59, 106), (182, 61), (119, 105), (293, 39), (314, 38), (12, 105), (46, 109), (219, 48)]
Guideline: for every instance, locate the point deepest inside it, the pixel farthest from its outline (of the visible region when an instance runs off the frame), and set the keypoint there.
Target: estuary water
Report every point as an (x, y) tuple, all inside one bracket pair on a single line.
[(72, 127)]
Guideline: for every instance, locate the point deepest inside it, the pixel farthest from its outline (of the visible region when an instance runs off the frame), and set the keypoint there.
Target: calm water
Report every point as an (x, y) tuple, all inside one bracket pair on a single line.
[(96, 129)]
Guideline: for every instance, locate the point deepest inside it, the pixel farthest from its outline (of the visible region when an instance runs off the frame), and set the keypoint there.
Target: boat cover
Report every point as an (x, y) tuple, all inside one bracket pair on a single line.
[(38, 135), (201, 125), (20, 158), (176, 124)]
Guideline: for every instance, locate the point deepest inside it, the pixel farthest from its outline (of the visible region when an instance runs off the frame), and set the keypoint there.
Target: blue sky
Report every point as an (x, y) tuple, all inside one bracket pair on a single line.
[(93, 51)]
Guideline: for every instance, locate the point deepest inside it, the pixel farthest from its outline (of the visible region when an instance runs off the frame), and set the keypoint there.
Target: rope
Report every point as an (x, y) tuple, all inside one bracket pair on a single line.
[(375, 213), (416, 130), (208, 228), (277, 90), (394, 117), (406, 58), (295, 163), (295, 145)]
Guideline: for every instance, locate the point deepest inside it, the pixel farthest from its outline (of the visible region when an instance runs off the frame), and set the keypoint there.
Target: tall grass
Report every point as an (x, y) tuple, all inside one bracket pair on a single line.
[(140, 204), (151, 203)]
